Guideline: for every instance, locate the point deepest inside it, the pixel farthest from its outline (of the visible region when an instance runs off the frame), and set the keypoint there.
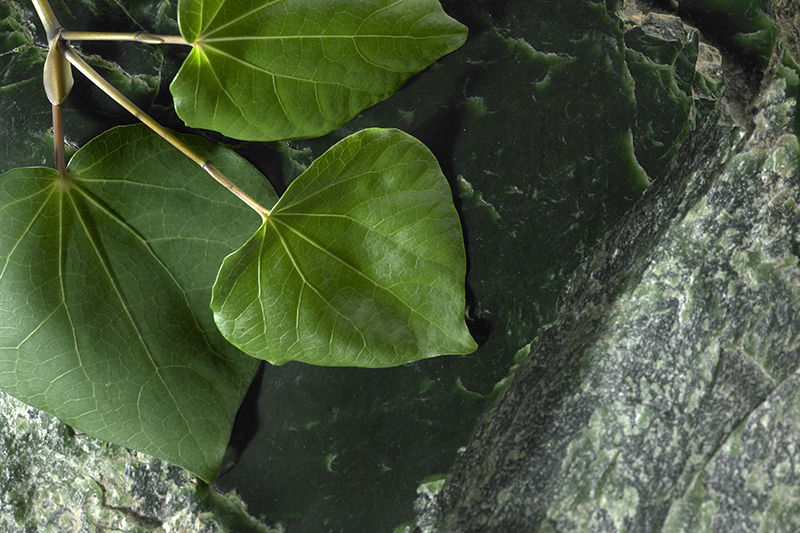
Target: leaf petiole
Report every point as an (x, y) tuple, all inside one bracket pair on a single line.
[(139, 37), (78, 62), (57, 85), (48, 18), (58, 137)]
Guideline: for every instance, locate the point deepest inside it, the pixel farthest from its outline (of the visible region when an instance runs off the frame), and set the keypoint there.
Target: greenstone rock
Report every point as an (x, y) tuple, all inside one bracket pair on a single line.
[(536, 192), (55, 481), (665, 397)]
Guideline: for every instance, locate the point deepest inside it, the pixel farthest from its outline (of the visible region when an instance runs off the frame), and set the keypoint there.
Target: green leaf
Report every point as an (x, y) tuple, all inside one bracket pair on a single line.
[(105, 277), (272, 69), (361, 263)]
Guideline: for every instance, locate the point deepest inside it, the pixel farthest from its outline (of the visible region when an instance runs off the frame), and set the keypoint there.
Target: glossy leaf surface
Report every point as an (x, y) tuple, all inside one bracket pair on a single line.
[(105, 277), (361, 263), (284, 69)]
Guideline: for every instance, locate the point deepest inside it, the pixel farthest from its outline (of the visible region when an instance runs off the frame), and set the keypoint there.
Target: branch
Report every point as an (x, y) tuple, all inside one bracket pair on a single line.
[(78, 62), (48, 18), (139, 37)]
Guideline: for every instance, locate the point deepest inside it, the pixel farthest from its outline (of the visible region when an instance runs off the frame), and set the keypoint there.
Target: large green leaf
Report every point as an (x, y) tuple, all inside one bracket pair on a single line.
[(361, 263), (284, 69), (105, 277)]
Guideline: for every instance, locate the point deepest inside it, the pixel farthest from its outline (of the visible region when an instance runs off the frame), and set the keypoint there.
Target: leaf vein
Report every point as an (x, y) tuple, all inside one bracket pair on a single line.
[(237, 19), (276, 75), (357, 272), (313, 288), (117, 291), (27, 229)]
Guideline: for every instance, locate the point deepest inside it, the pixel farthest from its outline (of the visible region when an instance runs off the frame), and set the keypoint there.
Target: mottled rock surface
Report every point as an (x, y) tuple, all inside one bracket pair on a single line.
[(53, 480), (666, 397)]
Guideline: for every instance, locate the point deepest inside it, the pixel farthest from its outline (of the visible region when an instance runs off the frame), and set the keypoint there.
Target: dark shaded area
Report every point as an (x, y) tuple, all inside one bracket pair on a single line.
[(540, 131), (741, 28), (332, 437), (540, 125), (246, 423)]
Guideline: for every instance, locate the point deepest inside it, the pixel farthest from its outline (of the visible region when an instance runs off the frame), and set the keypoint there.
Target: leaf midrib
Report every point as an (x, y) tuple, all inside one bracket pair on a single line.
[(368, 228), (61, 278), (203, 41), (281, 76)]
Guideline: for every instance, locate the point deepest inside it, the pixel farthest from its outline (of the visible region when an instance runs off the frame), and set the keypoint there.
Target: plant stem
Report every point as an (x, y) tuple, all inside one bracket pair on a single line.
[(139, 37), (58, 140), (78, 62), (48, 18), (56, 79)]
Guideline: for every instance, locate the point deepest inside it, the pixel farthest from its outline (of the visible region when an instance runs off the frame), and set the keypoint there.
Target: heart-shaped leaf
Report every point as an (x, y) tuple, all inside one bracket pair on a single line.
[(105, 275), (284, 69), (361, 263)]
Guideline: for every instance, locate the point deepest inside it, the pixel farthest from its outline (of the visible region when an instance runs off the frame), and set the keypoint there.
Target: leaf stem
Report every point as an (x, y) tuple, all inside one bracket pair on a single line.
[(79, 63), (48, 18), (57, 80), (58, 140), (139, 37)]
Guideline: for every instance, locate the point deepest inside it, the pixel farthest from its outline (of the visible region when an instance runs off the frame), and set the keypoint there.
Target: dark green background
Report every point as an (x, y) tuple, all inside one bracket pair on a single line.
[(549, 123)]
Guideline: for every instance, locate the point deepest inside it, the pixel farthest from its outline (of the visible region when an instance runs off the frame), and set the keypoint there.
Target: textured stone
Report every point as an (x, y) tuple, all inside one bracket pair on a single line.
[(54, 480), (550, 122), (666, 396)]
